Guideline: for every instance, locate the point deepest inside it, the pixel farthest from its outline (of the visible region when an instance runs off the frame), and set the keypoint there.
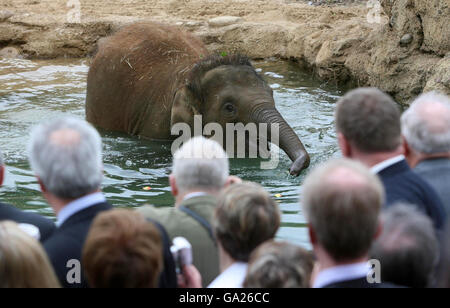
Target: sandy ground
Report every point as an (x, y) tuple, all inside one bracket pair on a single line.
[(335, 39)]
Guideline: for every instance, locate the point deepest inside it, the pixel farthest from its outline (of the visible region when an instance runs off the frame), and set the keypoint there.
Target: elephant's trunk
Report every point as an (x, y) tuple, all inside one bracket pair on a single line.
[(288, 139)]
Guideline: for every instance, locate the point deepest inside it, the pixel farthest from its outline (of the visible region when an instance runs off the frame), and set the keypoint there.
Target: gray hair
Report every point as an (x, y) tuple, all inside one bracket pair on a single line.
[(342, 201), (370, 120), (66, 154), (279, 265), (408, 248), (200, 164), (426, 124)]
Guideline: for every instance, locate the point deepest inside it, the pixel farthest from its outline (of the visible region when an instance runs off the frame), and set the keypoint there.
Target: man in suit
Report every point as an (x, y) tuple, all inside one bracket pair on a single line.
[(369, 130), (66, 156), (200, 171), (7, 212), (342, 201), (426, 131)]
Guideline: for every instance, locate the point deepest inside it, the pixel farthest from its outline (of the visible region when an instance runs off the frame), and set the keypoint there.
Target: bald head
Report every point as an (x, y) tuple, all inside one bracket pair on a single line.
[(342, 201), (426, 124)]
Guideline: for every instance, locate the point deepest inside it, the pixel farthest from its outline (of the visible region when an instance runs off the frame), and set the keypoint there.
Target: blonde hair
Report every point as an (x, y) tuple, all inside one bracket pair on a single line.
[(23, 261)]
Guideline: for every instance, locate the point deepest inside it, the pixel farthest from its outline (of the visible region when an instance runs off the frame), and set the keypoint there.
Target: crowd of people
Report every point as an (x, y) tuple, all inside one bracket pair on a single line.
[(377, 218)]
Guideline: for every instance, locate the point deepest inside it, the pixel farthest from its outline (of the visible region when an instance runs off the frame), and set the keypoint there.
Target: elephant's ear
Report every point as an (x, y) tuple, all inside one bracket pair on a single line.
[(184, 107)]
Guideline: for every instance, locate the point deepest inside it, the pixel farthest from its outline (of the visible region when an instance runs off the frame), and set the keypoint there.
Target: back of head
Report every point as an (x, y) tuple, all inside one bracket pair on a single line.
[(426, 124), (408, 249), (122, 250), (370, 120), (245, 217), (23, 262), (200, 164), (342, 200), (279, 265), (66, 155)]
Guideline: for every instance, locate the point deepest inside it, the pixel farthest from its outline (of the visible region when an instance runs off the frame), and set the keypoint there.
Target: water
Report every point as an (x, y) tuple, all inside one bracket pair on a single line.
[(35, 91)]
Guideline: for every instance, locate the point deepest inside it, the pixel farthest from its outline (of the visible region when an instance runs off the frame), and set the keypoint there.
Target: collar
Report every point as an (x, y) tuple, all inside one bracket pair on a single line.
[(232, 277), (387, 163), (194, 194), (341, 273), (78, 205)]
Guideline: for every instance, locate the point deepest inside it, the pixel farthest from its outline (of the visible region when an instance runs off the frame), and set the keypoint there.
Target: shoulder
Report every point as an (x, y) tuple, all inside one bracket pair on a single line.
[(161, 215), (45, 225)]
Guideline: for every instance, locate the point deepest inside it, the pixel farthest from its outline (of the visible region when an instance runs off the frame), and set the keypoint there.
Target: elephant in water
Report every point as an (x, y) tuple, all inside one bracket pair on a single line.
[(148, 77)]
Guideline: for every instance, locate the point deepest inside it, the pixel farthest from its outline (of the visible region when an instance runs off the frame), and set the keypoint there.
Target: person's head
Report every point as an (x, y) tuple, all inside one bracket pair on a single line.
[(426, 125), (407, 249), (2, 168), (199, 165), (66, 156), (246, 216), (368, 121), (279, 265), (444, 267), (342, 200), (122, 250), (23, 261)]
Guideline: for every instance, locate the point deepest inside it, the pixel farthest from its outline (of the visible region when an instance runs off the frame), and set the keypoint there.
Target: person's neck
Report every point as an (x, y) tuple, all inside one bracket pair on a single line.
[(373, 159), (182, 195), (414, 158), (57, 204), (326, 261), (225, 259)]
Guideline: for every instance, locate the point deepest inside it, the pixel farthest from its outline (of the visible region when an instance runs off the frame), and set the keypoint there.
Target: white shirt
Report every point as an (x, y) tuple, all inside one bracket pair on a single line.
[(233, 277), (387, 163), (78, 205), (341, 273)]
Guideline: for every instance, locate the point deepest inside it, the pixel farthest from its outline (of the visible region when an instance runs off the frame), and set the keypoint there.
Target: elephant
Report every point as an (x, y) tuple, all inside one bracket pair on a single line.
[(147, 77)]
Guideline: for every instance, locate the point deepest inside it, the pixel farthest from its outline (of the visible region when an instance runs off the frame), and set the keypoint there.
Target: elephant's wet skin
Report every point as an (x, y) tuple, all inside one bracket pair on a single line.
[(148, 77)]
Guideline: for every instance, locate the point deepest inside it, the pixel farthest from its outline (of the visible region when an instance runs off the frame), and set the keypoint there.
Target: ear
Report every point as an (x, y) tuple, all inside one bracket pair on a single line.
[(406, 147), (344, 145), (184, 107), (312, 235), (173, 185), (379, 230), (2, 174), (42, 186)]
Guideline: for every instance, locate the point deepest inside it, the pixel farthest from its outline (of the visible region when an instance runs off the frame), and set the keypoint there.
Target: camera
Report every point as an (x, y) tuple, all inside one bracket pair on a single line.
[(181, 252)]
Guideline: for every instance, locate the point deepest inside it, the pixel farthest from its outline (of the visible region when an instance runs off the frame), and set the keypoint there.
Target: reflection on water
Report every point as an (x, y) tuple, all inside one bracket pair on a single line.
[(35, 91)]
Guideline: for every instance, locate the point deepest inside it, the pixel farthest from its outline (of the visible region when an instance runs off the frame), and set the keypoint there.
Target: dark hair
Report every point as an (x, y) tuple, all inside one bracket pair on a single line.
[(211, 62), (245, 217), (370, 120), (408, 249), (279, 265), (122, 250)]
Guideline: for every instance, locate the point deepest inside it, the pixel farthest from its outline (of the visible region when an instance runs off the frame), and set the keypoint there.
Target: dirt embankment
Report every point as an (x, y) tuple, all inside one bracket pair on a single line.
[(402, 46)]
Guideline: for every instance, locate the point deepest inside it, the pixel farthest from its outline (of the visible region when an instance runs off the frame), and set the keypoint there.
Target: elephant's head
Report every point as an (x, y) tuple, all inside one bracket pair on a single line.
[(229, 90)]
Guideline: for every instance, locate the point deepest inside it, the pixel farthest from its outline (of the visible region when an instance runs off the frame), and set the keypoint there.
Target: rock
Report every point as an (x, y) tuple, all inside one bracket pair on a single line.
[(406, 40), (5, 15), (9, 53), (223, 21)]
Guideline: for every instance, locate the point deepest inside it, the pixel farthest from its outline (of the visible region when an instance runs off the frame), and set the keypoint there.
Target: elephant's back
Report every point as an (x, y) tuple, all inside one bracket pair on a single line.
[(134, 75)]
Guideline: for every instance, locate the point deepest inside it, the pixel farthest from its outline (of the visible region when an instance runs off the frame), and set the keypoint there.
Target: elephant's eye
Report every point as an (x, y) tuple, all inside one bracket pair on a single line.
[(229, 107)]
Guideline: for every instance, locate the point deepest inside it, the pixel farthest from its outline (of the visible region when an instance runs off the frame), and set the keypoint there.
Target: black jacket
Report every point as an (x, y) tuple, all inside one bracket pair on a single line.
[(65, 247), (403, 185), (46, 226)]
